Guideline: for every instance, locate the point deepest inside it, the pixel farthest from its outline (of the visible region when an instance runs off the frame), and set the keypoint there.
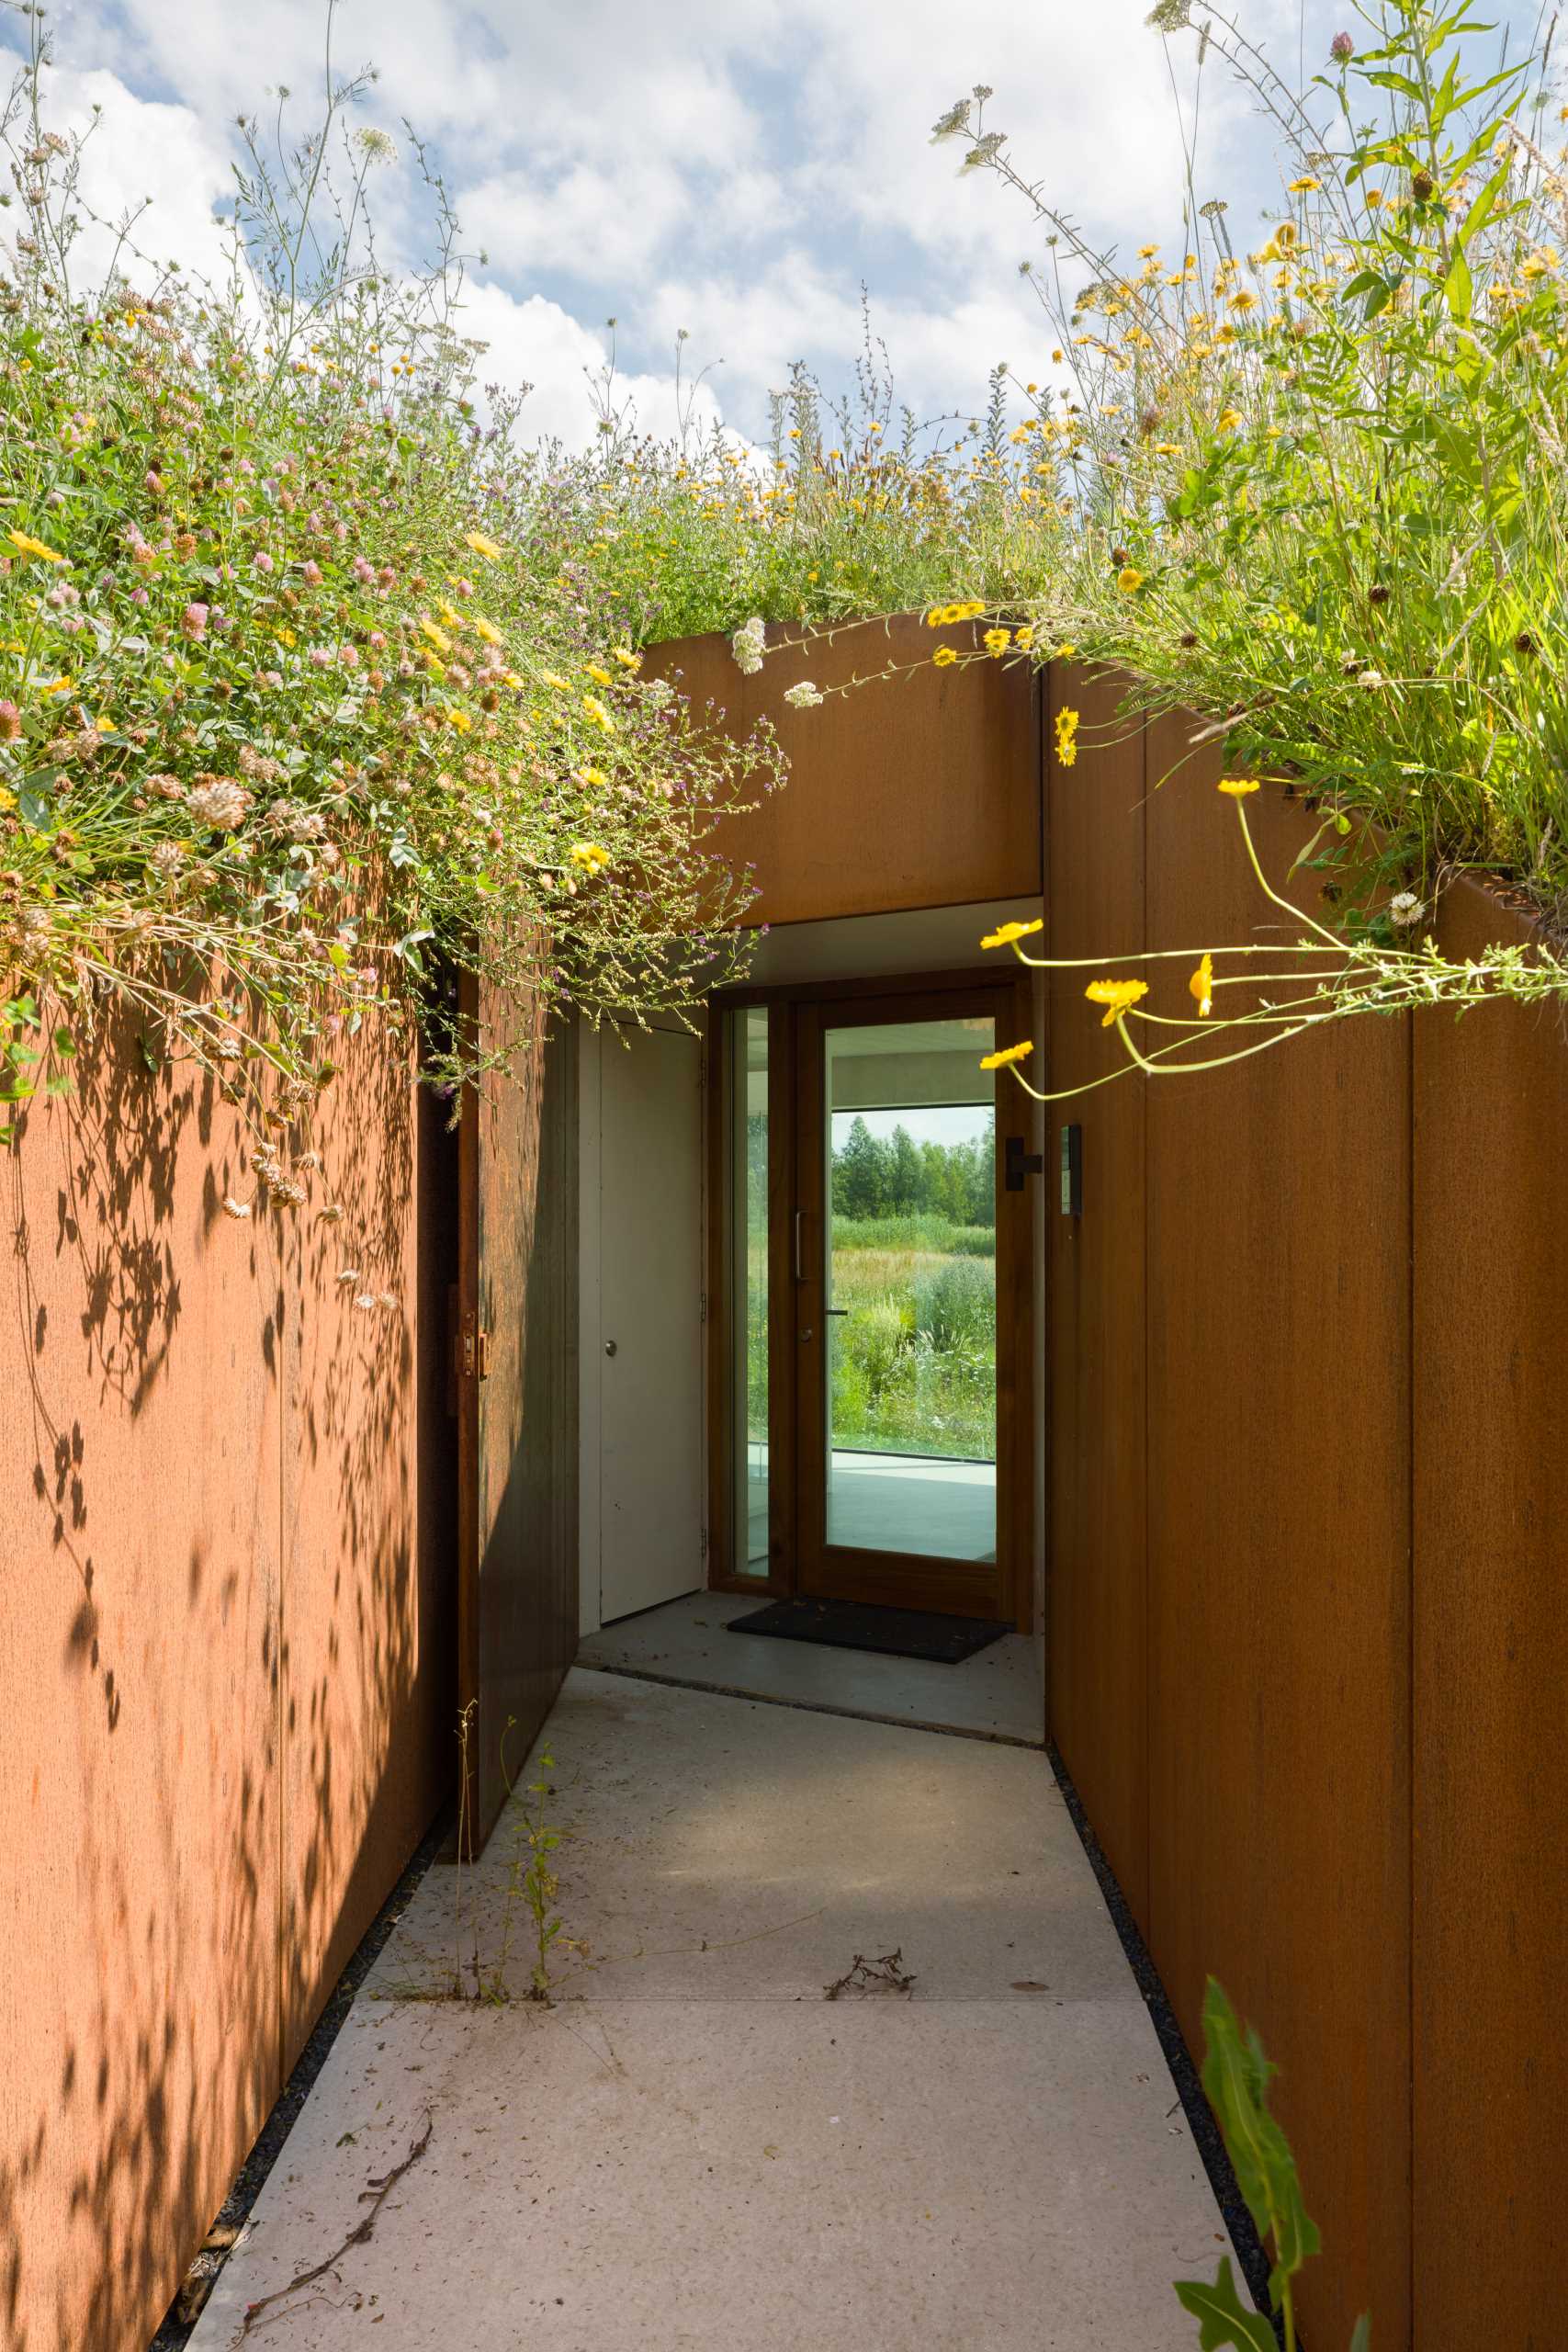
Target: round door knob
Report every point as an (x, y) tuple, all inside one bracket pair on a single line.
[(609, 1347), (808, 1333)]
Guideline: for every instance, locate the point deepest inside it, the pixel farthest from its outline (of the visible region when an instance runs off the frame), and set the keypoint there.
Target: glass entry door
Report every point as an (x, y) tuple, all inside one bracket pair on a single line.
[(905, 1283)]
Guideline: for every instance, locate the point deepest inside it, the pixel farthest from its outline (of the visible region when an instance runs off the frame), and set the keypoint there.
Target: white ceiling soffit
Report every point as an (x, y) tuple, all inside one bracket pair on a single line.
[(859, 947)]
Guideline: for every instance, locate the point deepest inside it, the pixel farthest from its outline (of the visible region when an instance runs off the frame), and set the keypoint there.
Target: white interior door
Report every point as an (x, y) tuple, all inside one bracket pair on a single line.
[(651, 1259)]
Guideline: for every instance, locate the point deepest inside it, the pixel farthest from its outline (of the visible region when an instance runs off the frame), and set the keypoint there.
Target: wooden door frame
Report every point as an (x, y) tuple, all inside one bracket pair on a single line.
[(1010, 991)]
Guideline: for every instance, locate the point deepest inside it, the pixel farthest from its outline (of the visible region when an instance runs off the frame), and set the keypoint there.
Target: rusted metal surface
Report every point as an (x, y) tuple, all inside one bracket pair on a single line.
[(1095, 1470), (1279, 1487), (919, 791), (218, 1708), (1491, 1662), (518, 1461)]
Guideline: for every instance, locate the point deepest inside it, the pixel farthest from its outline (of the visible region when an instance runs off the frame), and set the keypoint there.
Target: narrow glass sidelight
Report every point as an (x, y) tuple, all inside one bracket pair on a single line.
[(748, 1288), (911, 1288)]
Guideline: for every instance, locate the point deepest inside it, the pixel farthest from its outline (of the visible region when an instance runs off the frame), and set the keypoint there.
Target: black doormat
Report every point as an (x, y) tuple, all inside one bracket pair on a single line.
[(855, 1626)]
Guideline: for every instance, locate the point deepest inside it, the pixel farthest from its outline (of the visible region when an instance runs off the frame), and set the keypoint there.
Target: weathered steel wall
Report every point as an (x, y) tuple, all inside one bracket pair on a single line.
[(226, 1670), (921, 790), (1308, 1577)]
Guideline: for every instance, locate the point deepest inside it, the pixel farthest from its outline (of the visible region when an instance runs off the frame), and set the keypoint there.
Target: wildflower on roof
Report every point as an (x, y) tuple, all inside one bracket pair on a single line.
[(803, 695), (1007, 1056), (1201, 987), (1005, 933), (1117, 996)]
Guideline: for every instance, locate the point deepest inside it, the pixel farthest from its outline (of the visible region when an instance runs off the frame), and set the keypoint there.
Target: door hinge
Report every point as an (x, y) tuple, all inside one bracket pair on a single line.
[(701, 1307), (703, 1540), (474, 1349)]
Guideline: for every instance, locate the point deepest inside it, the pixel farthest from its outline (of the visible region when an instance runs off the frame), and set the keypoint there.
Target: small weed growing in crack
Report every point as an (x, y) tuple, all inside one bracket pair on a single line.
[(532, 1882), (887, 1974)]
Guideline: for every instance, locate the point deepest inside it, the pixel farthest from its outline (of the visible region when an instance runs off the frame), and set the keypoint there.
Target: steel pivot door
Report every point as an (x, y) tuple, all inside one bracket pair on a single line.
[(516, 1368)]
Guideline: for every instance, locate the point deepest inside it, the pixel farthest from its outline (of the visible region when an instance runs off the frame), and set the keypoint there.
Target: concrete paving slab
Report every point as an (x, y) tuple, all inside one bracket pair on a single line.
[(994, 1695), (694, 2148), (717, 1849)]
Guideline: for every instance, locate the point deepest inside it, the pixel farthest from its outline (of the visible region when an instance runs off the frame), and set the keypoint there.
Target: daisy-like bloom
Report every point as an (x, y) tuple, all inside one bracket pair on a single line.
[(937, 616), (554, 678), (438, 637), (597, 714), (1067, 737), (461, 720), (1307, 185), (1005, 933), (1405, 908), (453, 620), (628, 659), (600, 676), (1117, 996), (997, 640), (944, 655), (1200, 986), (1007, 1056), (1129, 579), (590, 856), (486, 630), (1227, 420), (1372, 680), (804, 695), (483, 545), (1024, 638), (1239, 786), (592, 778), (25, 544), (1065, 652)]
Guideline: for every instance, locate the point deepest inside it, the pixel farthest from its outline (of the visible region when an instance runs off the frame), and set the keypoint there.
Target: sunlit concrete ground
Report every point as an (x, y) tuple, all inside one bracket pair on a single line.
[(894, 1502), (694, 2147), (996, 1694)]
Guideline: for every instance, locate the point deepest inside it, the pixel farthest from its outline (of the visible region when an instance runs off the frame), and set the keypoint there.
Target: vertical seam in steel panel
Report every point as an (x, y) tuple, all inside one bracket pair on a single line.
[(1410, 1689)]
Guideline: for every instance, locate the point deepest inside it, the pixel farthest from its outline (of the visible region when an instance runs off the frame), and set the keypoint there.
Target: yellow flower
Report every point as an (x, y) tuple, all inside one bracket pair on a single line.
[(598, 714), (997, 640), (554, 678), (937, 616), (7, 800), (944, 655), (452, 619), (1007, 931), (1025, 639), (486, 629), (1129, 579), (1007, 1054), (590, 856), (1065, 652), (438, 637), (1239, 786), (1243, 299), (461, 720), (1306, 186), (590, 775), (1067, 737), (1117, 996), (482, 545), (627, 661), (1201, 987), (601, 676), (1227, 420), (25, 544)]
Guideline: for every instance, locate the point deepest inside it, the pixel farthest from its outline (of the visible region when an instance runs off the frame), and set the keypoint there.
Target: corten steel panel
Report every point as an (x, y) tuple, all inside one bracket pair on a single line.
[(1096, 1468), (1491, 1664), (1279, 1488), (916, 791), (139, 1359), (518, 1600), (368, 1698)]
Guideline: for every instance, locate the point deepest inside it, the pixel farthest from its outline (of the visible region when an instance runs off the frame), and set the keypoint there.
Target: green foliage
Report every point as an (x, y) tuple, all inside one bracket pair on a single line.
[(289, 718), (878, 1177), (1318, 485), (1236, 2076), (914, 1353)]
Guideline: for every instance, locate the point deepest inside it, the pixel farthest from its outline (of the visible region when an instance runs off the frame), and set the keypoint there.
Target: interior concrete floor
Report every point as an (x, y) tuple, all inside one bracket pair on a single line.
[(694, 2148), (996, 1694), (905, 1502)]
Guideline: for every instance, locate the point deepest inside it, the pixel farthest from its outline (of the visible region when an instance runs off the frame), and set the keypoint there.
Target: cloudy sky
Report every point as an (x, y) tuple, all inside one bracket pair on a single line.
[(736, 168)]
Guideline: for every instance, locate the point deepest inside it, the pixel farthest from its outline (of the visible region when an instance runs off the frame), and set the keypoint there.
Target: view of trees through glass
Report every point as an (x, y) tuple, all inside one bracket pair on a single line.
[(914, 1268)]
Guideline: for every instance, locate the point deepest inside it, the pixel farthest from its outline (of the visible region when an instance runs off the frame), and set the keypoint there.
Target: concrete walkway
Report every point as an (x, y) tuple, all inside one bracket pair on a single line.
[(693, 2150)]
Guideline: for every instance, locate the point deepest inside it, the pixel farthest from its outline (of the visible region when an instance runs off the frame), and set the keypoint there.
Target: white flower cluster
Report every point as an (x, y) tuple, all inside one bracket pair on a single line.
[(804, 696), (747, 648), (1404, 908)]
